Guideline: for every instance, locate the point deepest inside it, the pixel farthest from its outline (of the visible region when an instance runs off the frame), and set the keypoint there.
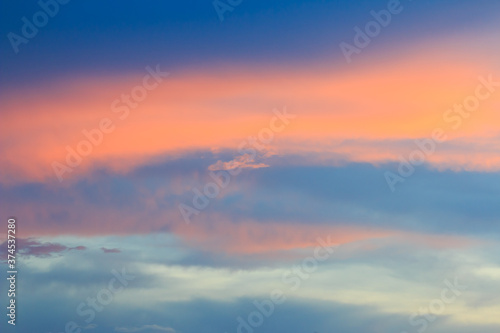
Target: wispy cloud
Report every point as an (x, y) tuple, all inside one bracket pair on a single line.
[(144, 328), (242, 161), (32, 247)]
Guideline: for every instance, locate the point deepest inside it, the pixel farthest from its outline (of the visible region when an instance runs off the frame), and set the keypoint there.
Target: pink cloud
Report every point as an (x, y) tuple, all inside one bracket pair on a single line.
[(32, 247)]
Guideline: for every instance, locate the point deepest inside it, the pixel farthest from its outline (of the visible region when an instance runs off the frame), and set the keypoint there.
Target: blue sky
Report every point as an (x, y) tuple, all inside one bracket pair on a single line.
[(174, 172)]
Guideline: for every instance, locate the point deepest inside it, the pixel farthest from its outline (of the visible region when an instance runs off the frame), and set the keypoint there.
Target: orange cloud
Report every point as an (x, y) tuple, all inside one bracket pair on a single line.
[(213, 232), (252, 237), (405, 99)]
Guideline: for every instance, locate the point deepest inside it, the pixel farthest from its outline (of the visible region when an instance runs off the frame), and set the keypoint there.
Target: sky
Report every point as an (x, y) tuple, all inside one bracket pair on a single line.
[(251, 166)]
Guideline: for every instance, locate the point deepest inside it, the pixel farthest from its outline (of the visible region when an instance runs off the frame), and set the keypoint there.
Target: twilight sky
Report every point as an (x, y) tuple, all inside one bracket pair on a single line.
[(252, 166)]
